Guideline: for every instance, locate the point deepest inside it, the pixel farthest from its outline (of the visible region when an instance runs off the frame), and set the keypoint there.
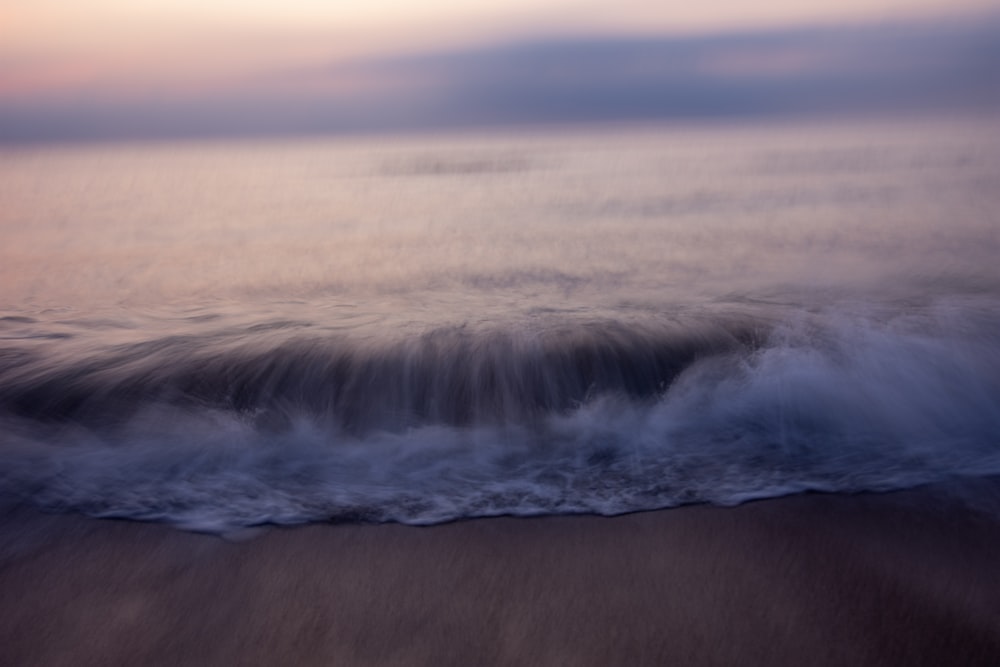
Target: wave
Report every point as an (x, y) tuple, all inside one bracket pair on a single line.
[(453, 376), (605, 417)]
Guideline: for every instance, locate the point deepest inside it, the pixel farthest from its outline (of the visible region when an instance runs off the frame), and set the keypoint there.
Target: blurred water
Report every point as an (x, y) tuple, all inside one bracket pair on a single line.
[(424, 328)]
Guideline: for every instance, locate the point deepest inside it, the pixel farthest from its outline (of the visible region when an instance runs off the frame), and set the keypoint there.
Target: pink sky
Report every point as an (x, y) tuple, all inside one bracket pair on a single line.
[(122, 46), (92, 67)]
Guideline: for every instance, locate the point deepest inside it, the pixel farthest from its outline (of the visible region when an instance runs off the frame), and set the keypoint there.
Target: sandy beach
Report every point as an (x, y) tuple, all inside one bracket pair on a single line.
[(895, 579)]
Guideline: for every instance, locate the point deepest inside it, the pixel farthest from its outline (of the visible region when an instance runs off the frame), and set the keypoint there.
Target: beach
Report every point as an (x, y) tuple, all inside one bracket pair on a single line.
[(906, 578), (525, 333), (658, 395)]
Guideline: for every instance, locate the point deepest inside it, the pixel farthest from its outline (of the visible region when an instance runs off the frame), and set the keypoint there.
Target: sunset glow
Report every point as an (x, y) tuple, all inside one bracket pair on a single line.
[(102, 54)]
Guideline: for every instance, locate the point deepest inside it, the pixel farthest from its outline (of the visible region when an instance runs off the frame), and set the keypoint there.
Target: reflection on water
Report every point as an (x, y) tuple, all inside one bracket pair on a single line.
[(585, 221)]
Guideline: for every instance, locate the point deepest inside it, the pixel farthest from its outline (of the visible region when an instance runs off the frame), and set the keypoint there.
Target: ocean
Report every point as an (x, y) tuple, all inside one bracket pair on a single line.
[(424, 328)]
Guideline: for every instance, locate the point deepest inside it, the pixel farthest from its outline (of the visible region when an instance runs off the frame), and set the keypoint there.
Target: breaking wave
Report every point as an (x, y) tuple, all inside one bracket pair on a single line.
[(218, 432)]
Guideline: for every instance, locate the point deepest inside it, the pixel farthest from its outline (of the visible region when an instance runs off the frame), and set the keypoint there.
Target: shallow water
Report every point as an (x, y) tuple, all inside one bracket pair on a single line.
[(426, 328)]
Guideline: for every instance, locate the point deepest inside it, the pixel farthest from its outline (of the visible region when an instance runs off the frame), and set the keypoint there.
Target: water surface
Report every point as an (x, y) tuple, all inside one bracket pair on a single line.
[(420, 329)]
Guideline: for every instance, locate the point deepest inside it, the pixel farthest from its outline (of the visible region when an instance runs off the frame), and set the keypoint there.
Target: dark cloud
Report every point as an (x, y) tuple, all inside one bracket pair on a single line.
[(830, 71)]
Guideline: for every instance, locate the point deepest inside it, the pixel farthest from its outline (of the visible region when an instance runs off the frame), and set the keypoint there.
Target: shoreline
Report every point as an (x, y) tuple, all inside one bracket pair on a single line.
[(910, 577)]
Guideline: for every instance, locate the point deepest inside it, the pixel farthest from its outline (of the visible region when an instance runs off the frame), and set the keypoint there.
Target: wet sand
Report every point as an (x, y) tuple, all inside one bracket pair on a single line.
[(894, 579)]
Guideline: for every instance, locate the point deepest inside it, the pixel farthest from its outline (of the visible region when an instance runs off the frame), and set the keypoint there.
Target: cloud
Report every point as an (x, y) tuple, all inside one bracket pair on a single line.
[(803, 71), (792, 71)]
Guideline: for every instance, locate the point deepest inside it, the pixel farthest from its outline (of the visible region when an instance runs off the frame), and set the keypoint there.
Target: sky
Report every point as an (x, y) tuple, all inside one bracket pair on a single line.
[(106, 69)]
